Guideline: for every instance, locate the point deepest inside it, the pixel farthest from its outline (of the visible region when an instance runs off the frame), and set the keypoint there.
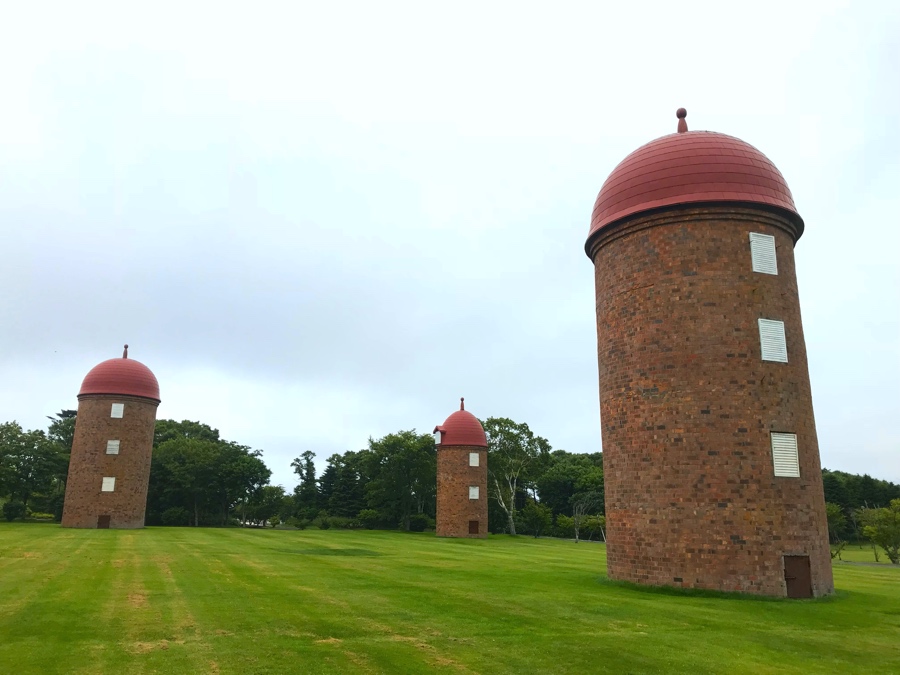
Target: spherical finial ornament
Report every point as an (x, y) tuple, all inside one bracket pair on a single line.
[(462, 403), (125, 355), (681, 113)]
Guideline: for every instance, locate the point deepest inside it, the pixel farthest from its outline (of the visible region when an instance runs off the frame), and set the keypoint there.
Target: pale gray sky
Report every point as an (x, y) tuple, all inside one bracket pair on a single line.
[(317, 222)]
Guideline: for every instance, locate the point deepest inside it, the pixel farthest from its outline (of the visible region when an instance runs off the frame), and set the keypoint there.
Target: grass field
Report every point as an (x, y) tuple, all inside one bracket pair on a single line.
[(183, 600)]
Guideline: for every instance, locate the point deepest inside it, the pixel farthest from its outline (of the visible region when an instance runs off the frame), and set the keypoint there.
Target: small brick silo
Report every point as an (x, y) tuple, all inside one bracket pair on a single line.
[(711, 461), (109, 470), (462, 507)]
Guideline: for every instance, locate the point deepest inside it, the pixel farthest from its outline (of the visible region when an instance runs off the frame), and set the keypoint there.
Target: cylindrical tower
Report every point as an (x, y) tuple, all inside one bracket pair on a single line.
[(109, 469), (710, 456), (462, 508)]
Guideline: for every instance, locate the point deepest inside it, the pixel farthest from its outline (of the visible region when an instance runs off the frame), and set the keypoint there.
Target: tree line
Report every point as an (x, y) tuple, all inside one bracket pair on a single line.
[(198, 478), (862, 509)]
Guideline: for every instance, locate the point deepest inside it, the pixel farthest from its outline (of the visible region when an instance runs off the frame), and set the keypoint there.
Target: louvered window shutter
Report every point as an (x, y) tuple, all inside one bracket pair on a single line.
[(762, 253), (771, 340), (784, 455)]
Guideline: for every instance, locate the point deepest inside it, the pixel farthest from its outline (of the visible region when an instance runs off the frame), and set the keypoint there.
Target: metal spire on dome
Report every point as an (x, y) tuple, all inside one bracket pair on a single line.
[(125, 355), (681, 113), (462, 403)]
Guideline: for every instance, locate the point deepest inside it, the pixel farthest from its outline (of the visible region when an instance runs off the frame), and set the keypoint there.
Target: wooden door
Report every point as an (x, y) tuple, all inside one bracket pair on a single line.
[(797, 576), (103, 522), (473, 527)]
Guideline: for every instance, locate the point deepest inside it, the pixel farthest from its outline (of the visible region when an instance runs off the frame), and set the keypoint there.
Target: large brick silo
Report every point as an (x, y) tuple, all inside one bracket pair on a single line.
[(711, 461), (462, 507), (109, 470)]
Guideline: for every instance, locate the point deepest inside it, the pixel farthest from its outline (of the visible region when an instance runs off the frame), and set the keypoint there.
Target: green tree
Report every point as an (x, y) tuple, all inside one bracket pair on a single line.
[(265, 503), (583, 505), (515, 456), (835, 490), (166, 430), (206, 477), (348, 494), (837, 523), (595, 526), (567, 474), (401, 473), (306, 494), (182, 471), (29, 463), (882, 528), (536, 518)]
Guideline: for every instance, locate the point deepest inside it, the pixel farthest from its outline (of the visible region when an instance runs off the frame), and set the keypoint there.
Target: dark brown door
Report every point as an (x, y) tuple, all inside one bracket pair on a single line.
[(797, 576), (473, 527), (103, 522)]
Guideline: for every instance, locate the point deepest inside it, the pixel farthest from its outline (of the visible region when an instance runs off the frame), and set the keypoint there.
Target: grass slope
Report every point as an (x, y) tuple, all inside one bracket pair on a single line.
[(177, 600)]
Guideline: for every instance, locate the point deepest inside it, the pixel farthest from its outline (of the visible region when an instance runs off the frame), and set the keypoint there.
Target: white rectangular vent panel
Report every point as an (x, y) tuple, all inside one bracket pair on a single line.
[(784, 455), (118, 409), (773, 345), (473, 492), (437, 437), (112, 447), (109, 484), (762, 252), (473, 459)]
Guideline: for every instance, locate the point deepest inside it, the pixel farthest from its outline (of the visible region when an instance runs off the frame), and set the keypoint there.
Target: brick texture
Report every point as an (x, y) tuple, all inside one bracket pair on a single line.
[(687, 405), (454, 476), (84, 502)]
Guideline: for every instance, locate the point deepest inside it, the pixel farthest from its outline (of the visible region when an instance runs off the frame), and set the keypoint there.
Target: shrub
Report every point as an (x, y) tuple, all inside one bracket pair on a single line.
[(13, 510), (368, 518), (418, 522), (176, 515), (534, 519), (565, 527), (36, 515), (342, 523), (322, 522)]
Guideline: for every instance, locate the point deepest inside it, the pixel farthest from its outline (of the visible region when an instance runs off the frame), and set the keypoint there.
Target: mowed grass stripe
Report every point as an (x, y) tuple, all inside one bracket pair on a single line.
[(248, 601), (306, 619)]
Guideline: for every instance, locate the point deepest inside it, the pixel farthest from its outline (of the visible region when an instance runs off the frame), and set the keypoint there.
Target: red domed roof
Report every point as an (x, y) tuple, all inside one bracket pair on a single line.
[(690, 167), (462, 428), (125, 377)]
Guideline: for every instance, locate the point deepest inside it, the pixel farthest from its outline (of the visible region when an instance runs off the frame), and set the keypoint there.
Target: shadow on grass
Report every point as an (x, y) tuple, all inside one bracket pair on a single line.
[(718, 595)]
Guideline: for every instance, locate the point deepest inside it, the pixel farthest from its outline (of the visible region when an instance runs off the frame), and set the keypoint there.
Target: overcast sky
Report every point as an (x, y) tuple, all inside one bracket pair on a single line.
[(320, 222)]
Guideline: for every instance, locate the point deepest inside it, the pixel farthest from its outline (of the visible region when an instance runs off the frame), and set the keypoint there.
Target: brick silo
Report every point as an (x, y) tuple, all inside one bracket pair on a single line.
[(462, 507), (710, 455), (109, 469)]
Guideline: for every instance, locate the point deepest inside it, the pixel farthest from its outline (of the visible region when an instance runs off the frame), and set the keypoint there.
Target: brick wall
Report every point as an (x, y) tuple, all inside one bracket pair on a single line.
[(687, 405), (454, 476), (84, 501)]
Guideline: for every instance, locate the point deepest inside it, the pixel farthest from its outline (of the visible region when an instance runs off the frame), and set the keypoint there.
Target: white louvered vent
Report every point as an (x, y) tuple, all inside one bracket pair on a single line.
[(437, 437), (784, 455), (762, 252), (473, 459), (473, 492), (112, 447), (109, 484), (118, 409), (772, 344)]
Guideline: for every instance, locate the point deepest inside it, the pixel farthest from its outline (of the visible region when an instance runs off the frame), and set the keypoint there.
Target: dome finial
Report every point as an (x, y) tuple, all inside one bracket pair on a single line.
[(462, 403), (125, 355), (681, 113)]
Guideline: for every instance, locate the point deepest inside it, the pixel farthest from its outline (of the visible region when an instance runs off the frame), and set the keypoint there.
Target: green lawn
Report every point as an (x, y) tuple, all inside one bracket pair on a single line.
[(179, 600)]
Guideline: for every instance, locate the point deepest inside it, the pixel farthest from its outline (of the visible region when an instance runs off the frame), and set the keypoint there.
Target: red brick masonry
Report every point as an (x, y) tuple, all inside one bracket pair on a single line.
[(454, 476), (126, 505), (687, 404)]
